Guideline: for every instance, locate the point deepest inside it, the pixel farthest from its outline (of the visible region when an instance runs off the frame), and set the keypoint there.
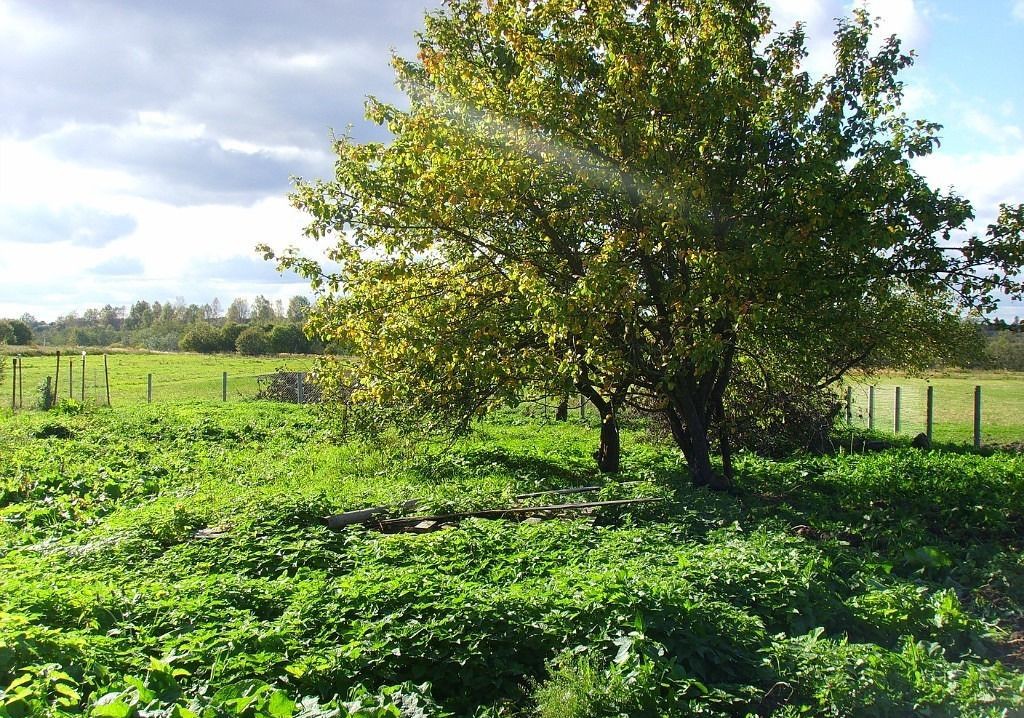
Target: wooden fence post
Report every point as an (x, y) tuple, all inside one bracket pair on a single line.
[(977, 417), (849, 405), (48, 399), (930, 411), (106, 378), (871, 407), (896, 413)]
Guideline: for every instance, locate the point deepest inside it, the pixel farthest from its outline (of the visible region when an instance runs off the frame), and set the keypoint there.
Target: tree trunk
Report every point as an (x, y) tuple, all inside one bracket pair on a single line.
[(562, 412), (607, 453), (690, 432)]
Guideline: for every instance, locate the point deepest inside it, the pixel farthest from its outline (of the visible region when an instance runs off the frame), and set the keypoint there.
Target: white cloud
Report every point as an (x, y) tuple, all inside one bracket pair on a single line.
[(903, 18), (985, 178), (1018, 10), (991, 129), (906, 19)]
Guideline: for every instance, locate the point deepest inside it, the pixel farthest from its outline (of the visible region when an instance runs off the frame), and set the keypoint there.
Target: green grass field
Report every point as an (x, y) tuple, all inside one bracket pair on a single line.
[(1002, 414), (198, 377), (172, 560), (176, 376)]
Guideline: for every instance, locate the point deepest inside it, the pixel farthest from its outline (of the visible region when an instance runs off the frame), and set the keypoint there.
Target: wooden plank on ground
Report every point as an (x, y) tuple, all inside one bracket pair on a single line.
[(510, 512)]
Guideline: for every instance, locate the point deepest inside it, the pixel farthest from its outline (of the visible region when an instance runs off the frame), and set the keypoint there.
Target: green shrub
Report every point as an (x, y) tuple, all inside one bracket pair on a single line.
[(288, 339), (200, 337), (253, 342), (229, 335), (45, 395)]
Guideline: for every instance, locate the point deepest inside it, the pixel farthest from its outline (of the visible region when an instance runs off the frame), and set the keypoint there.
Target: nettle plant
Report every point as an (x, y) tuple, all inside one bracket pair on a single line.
[(630, 199)]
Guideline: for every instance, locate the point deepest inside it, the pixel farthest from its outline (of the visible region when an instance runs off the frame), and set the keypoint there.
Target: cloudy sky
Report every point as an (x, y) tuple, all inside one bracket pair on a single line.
[(146, 146)]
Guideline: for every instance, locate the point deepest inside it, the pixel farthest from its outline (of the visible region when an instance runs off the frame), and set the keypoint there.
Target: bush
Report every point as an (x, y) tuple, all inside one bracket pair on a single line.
[(46, 395), (200, 337), (229, 335), (253, 342), (288, 338)]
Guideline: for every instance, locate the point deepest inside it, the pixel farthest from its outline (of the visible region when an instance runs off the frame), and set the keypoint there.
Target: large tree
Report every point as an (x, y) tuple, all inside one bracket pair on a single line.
[(650, 188)]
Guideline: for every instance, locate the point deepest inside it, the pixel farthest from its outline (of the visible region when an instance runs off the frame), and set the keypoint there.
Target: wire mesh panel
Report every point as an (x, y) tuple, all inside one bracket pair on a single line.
[(292, 386)]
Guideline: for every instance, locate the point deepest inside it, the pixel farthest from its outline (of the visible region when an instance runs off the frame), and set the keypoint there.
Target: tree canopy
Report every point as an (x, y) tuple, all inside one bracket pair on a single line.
[(630, 198)]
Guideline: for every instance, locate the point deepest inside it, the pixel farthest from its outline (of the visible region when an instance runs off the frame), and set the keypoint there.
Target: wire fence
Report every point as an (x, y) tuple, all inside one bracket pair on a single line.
[(957, 413), (34, 382), (954, 410)]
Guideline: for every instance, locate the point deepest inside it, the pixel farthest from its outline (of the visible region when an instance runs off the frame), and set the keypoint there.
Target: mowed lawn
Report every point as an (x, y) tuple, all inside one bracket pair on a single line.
[(176, 376)]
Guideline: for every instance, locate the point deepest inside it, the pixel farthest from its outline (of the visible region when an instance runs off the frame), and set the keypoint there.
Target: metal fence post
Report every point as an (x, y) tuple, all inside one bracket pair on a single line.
[(849, 405), (224, 387), (977, 417), (149, 388), (300, 380)]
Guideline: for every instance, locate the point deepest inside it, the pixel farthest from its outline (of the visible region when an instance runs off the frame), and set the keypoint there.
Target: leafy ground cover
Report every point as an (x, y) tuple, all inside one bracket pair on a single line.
[(172, 561)]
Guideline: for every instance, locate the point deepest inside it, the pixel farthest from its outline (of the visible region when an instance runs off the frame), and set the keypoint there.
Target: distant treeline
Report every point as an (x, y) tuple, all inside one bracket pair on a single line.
[(259, 327), (1004, 345)]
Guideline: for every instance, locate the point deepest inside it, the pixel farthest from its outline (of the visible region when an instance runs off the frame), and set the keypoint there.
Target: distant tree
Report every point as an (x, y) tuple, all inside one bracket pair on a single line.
[(298, 309), (15, 331), (168, 313), (238, 311), (288, 339), (201, 337), (91, 317), (253, 341), (215, 310), (262, 310), (112, 317), (139, 316), (1005, 350)]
